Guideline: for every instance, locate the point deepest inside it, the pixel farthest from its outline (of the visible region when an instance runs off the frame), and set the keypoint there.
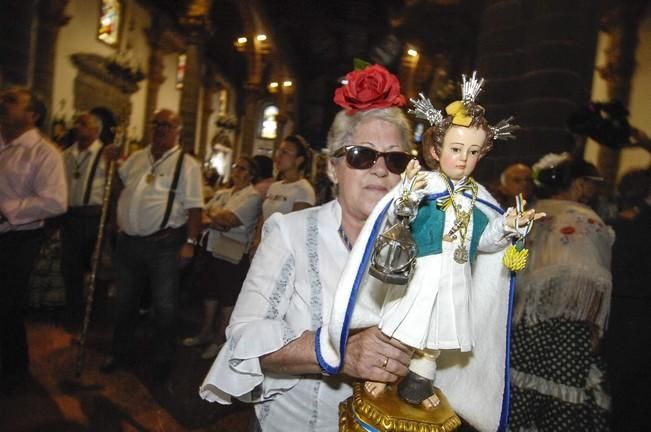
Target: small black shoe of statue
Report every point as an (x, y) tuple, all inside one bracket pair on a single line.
[(415, 388)]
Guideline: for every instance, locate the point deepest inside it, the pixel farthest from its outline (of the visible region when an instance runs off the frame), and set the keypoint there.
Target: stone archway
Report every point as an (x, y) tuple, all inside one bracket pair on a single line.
[(96, 86)]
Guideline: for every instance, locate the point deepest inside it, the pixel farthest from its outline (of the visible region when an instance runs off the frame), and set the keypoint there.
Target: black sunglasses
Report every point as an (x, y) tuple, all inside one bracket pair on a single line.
[(360, 157)]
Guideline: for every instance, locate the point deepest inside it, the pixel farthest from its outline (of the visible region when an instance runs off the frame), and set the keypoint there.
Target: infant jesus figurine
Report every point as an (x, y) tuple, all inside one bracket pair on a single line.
[(457, 219), (458, 296)]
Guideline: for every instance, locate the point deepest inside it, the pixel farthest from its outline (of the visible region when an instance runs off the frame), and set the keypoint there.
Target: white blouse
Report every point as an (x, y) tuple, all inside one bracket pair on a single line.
[(288, 290)]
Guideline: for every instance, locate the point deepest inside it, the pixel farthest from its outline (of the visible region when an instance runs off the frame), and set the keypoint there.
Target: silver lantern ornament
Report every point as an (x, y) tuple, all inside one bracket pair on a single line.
[(394, 253)]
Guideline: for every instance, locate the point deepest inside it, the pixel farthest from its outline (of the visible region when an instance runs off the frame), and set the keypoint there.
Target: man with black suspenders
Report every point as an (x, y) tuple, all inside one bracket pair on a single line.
[(159, 217), (86, 170)]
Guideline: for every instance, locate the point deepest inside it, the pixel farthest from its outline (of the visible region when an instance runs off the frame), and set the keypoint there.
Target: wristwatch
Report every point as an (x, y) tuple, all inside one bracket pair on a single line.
[(191, 241)]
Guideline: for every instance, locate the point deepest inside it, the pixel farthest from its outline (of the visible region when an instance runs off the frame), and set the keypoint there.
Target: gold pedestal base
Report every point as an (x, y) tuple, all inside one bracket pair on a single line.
[(388, 413)]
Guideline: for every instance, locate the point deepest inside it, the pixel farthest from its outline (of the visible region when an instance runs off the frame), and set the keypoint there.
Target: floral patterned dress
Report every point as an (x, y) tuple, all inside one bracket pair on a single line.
[(561, 308)]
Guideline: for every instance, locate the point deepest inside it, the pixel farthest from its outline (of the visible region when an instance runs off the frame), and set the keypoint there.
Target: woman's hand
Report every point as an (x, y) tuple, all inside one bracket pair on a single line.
[(371, 355)]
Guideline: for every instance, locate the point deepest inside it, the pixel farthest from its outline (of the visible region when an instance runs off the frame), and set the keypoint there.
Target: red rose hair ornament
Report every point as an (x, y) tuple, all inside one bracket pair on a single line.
[(373, 87)]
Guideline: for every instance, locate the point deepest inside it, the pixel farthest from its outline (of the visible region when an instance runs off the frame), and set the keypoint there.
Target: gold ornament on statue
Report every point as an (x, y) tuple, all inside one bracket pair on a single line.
[(461, 217), (388, 412)]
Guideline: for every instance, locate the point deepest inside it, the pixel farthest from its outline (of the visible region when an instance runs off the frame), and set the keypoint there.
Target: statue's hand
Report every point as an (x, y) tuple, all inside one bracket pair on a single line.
[(412, 169), (511, 218)]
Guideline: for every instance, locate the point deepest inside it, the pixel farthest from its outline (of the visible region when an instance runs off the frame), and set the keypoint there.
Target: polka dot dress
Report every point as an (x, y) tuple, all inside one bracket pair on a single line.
[(552, 363)]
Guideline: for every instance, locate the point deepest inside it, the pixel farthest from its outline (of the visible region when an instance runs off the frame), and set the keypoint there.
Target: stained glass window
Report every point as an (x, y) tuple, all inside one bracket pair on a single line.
[(109, 21), (180, 70), (222, 102), (269, 123)]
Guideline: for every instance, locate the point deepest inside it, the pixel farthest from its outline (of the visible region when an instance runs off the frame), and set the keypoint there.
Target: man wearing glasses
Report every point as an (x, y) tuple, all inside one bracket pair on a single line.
[(86, 170), (159, 216)]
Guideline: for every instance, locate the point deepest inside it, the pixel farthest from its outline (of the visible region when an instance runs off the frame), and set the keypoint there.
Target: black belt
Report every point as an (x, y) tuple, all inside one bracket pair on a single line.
[(158, 235), (85, 211)]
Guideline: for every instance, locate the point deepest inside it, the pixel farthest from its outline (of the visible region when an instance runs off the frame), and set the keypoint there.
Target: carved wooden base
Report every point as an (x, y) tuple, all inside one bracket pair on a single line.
[(388, 413)]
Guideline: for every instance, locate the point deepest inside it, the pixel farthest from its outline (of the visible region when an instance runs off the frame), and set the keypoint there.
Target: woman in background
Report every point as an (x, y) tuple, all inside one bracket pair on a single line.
[(293, 192), (562, 302), (229, 220)]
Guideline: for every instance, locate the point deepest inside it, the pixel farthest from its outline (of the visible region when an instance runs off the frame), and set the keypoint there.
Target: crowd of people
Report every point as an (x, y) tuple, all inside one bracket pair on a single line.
[(266, 254)]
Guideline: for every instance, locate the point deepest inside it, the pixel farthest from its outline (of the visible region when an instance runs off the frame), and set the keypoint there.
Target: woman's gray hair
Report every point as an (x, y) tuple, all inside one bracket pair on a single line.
[(344, 126)]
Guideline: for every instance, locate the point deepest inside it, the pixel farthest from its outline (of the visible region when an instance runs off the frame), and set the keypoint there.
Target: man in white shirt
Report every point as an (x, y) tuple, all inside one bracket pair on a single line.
[(86, 170), (32, 188), (159, 215)]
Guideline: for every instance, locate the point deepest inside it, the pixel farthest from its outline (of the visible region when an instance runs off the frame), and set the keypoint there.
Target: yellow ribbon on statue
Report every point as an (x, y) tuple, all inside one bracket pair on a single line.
[(459, 114), (514, 259)]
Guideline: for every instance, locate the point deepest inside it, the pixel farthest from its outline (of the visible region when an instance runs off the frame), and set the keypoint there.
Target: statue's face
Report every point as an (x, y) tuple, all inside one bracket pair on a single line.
[(461, 151)]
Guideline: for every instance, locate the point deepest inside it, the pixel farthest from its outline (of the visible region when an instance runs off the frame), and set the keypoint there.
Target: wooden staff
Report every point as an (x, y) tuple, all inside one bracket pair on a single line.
[(95, 262)]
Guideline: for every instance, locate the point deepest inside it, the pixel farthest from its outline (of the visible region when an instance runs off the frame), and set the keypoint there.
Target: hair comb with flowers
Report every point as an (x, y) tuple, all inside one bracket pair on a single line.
[(462, 112)]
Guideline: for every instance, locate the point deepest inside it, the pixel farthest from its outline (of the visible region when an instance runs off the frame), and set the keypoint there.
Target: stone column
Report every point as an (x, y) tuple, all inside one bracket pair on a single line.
[(538, 67), (17, 41), (51, 18), (249, 124), (189, 107), (155, 78), (622, 24), (281, 122), (207, 110)]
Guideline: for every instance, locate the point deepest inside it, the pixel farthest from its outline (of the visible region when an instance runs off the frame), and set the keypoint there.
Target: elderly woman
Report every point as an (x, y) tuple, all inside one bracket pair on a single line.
[(269, 357)]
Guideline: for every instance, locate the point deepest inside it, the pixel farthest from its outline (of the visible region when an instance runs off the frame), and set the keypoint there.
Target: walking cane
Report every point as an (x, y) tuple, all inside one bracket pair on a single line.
[(79, 365)]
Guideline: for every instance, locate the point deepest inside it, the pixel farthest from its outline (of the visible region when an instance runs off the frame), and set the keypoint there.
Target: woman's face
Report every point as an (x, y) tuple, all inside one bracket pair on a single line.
[(287, 157), (360, 190), (461, 151), (241, 173)]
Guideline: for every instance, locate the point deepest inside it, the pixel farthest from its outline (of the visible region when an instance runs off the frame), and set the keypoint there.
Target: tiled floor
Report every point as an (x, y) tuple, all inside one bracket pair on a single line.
[(54, 400)]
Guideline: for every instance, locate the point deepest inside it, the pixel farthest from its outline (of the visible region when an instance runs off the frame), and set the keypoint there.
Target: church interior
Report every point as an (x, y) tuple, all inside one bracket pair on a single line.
[(243, 75)]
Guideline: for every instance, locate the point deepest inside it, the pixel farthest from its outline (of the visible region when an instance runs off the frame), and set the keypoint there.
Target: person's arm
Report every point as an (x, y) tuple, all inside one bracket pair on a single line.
[(50, 197), (501, 230), (224, 219), (304, 196), (193, 230), (237, 213), (192, 196), (258, 325), (257, 234), (300, 206), (366, 352)]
